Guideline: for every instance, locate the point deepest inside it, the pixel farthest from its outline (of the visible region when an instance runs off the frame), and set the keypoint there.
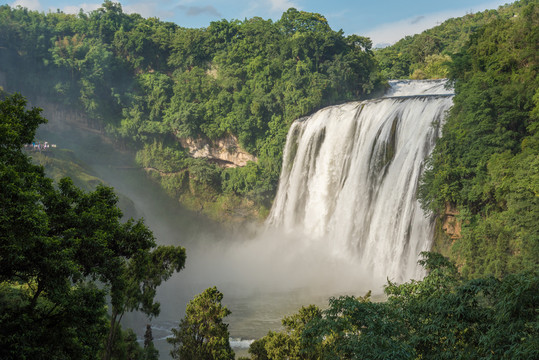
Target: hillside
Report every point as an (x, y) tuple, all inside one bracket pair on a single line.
[(428, 54), (152, 85), (191, 102), (485, 166)]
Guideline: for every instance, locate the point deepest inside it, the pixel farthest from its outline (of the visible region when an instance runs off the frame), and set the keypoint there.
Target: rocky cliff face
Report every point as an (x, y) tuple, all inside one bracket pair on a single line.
[(447, 230), (226, 151), (450, 224)]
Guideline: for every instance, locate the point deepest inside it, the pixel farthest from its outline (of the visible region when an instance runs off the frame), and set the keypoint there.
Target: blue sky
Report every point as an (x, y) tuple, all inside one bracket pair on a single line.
[(384, 21)]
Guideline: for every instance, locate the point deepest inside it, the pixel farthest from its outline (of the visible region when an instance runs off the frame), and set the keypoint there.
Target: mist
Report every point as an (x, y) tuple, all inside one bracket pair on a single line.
[(263, 273), (249, 258), (272, 261)]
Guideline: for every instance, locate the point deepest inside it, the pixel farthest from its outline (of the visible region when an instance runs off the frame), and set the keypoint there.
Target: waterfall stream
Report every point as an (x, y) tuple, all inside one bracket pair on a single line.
[(347, 189), (350, 176)]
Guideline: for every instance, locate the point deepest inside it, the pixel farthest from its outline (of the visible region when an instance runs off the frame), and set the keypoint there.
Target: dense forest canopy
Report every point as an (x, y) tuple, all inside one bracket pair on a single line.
[(65, 254), (427, 55), (149, 83), (486, 163)]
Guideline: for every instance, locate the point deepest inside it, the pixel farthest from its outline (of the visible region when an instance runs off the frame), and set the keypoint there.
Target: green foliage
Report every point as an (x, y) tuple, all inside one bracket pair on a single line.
[(63, 324), (434, 67), (240, 180), (204, 173), (150, 352), (358, 328), (202, 335), (287, 344), (148, 82), (440, 317), (486, 161), (161, 157), (56, 243), (126, 346), (409, 57), (257, 349), (62, 163)]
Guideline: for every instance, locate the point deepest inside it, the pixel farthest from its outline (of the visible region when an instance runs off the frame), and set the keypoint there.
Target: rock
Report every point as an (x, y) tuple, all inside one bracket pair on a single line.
[(225, 151), (451, 225)]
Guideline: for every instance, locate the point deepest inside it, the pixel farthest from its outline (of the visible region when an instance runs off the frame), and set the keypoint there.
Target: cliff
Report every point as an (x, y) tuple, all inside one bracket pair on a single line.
[(225, 151), (450, 224)]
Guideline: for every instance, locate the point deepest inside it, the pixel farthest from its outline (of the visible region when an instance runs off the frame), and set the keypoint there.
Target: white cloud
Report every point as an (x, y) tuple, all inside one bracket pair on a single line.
[(207, 10), (392, 32), (74, 9), (282, 5), (147, 9), (30, 4)]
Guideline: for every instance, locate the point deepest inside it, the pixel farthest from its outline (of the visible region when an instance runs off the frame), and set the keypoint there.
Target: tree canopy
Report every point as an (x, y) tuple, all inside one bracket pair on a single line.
[(149, 83), (202, 334), (442, 316), (485, 164), (428, 55), (62, 251)]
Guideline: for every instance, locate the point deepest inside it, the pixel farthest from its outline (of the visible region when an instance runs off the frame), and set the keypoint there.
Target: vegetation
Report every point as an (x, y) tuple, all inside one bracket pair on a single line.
[(149, 83), (440, 317), (62, 163), (428, 55), (149, 352), (486, 163), (63, 252), (202, 333)]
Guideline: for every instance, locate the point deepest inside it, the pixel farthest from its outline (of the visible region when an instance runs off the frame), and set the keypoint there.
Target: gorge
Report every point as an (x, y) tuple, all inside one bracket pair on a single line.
[(345, 218), (280, 164)]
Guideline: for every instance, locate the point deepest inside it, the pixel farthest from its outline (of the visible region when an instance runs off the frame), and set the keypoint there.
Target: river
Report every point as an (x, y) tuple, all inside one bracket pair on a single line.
[(344, 220), (262, 277)]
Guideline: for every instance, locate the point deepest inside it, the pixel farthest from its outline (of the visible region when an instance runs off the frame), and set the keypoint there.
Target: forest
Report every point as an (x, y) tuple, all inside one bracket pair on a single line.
[(148, 84)]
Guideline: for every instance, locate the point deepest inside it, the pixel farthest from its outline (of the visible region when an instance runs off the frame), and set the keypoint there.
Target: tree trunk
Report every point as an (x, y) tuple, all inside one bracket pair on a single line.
[(112, 333)]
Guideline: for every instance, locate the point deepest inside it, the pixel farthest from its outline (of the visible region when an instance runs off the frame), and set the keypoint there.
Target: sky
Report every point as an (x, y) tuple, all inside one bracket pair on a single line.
[(384, 21)]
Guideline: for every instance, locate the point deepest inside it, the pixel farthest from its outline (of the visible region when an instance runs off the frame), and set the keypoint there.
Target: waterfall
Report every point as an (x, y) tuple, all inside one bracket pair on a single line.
[(350, 176)]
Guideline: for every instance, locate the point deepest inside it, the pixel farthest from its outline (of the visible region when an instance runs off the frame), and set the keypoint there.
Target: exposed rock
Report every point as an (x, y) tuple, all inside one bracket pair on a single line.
[(212, 71), (451, 225), (225, 151)]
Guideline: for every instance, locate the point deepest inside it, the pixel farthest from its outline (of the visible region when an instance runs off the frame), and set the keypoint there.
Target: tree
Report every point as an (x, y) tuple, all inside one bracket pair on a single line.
[(439, 317), (484, 165), (202, 335), (49, 310), (288, 343), (150, 352), (62, 250)]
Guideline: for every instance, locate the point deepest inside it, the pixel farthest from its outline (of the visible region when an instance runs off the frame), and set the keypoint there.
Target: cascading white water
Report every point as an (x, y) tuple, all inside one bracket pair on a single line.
[(350, 176)]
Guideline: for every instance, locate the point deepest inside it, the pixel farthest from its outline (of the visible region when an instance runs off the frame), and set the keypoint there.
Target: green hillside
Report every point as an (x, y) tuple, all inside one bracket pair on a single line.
[(486, 165), (427, 55), (65, 254), (149, 83)]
